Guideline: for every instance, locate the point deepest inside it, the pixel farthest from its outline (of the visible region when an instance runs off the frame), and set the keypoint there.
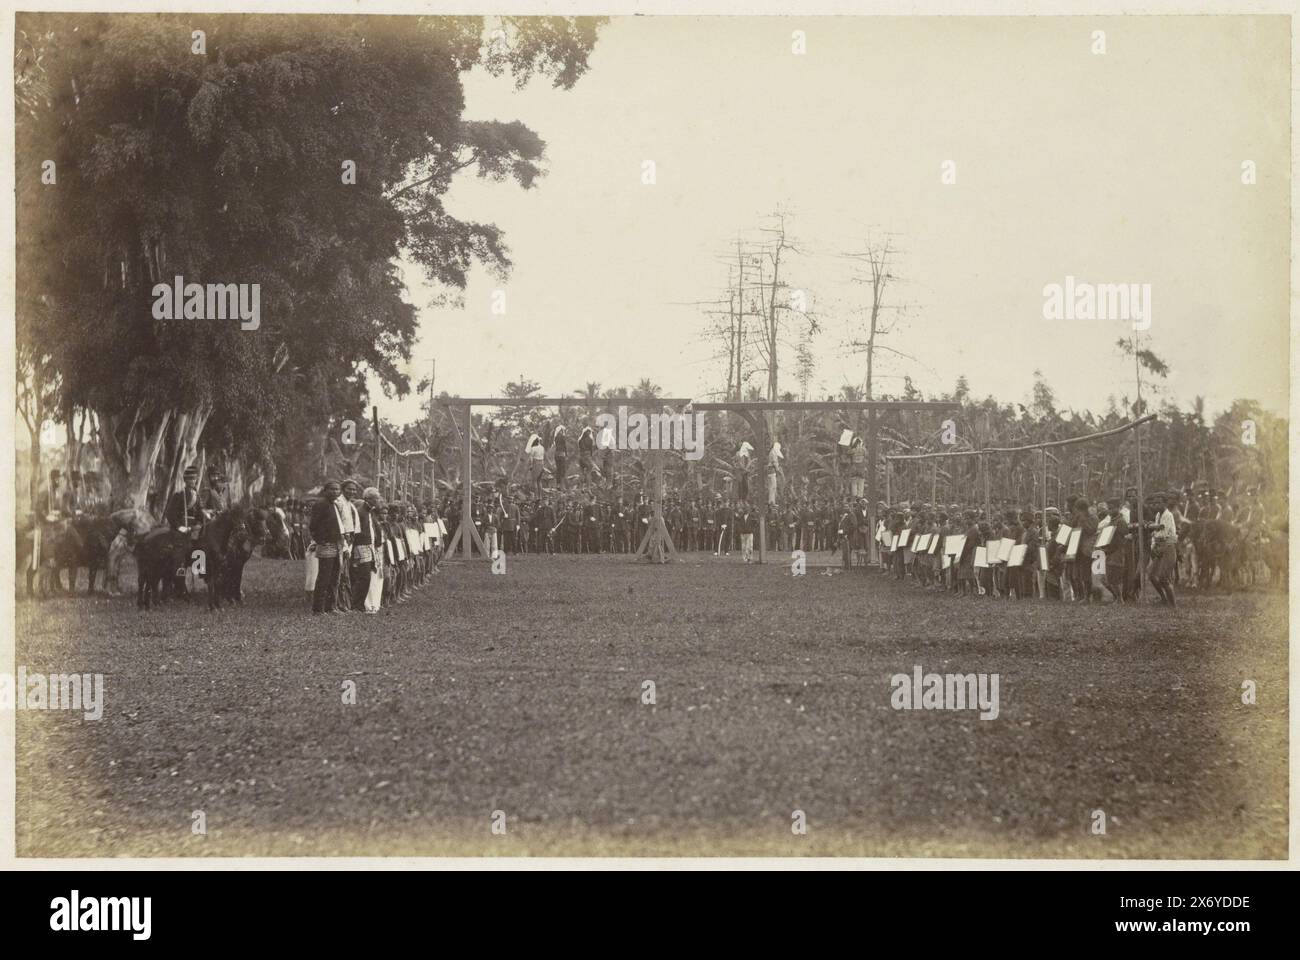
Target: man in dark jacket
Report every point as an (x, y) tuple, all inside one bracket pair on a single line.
[(327, 532)]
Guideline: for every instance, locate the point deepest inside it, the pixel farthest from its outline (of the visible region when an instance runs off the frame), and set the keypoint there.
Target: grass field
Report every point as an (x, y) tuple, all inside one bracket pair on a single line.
[(523, 694)]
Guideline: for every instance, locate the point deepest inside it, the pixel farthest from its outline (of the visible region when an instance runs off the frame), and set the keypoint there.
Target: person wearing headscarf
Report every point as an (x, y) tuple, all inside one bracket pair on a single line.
[(1164, 547), (560, 444), (586, 453), (327, 532), (774, 458), (350, 521), (535, 451)]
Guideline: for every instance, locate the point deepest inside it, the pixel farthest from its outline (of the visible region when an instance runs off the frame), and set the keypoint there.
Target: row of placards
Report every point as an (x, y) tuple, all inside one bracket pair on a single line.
[(993, 552), (415, 541)]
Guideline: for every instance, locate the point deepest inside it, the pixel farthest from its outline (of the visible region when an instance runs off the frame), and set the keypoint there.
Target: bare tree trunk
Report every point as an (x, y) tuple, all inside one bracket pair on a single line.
[(34, 468), (132, 445)]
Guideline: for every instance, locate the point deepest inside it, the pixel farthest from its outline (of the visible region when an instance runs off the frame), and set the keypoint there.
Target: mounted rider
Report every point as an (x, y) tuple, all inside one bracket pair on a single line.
[(217, 498), (184, 513)]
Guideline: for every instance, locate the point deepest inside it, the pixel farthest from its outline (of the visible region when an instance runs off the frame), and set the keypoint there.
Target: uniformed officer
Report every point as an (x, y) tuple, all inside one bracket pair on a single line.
[(217, 498), (184, 512)]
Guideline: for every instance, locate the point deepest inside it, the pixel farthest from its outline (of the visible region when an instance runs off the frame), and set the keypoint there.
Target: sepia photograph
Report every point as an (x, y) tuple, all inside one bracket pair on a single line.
[(650, 436)]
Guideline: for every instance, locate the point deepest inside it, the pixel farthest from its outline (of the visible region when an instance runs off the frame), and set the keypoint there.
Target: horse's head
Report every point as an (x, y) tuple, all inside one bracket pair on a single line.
[(258, 525), (277, 531), (136, 522), (237, 518)]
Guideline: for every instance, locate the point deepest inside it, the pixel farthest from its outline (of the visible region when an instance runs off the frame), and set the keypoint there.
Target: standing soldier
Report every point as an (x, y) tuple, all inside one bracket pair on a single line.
[(790, 526), (592, 524), (691, 525), (674, 520), (510, 525), (746, 523), (618, 520), (710, 525), (773, 527), (722, 520), (543, 521), (844, 531), (643, 516), (807, 527)]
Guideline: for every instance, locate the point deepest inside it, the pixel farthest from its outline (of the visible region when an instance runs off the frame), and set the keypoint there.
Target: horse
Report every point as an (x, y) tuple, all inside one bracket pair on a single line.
[(256, 533), (161, 557), (63, 545), (278, 545), (84, 543), (226, 542)]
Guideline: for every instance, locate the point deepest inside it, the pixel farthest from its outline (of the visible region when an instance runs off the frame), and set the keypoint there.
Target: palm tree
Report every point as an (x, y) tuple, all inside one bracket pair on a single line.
[(646, 389)]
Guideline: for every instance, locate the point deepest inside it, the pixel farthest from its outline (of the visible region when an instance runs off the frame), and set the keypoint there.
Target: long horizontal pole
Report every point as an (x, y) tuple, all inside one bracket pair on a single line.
[(558, 401), (1033, 446), (682, 401), (829, 405)]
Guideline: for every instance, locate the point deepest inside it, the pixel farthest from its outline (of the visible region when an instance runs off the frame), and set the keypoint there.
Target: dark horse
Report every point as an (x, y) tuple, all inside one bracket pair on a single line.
[(256, 531), (227, 541), (161, 558), (81, 541)]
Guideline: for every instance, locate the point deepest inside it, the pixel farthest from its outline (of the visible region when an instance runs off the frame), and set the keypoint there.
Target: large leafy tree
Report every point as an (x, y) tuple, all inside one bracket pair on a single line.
[(303, 154)]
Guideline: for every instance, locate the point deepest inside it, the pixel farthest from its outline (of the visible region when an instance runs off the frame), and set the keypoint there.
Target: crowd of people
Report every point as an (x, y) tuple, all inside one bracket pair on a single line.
[(1085, 552), (1082, 551), (362, 553)]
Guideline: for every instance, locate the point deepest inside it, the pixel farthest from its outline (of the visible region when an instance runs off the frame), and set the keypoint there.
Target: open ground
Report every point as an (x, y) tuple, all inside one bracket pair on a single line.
[(523, 694)]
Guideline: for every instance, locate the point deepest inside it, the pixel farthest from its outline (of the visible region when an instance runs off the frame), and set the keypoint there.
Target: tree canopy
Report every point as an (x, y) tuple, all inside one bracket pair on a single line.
[(301, 153)]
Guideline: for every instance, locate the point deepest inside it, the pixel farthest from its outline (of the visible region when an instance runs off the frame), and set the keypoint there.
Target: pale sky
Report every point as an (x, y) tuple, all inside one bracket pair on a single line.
[(1115, 168)]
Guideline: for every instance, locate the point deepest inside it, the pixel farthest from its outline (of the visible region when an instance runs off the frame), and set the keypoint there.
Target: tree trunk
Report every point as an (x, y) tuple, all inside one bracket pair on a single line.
[(132, 449), (34, 467), (132, 444)]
